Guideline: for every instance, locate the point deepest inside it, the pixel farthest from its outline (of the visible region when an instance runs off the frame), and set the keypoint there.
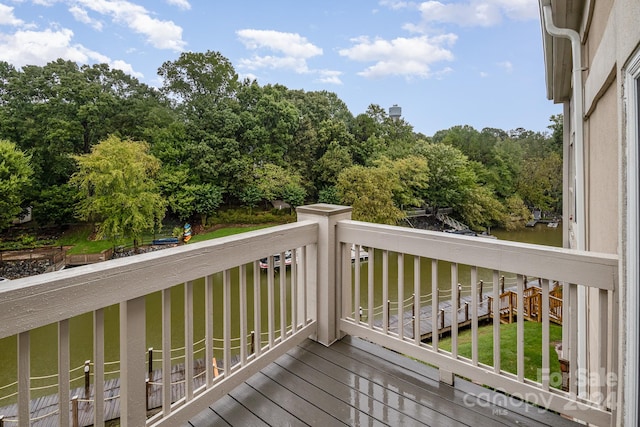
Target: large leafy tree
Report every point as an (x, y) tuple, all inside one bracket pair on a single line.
[(411, 175), (197, 79), (329, 166), (116, 181), (272, 179), (207, 198), (15, 177), (540, 183), (61, 109), (369, 191), (450, 177)]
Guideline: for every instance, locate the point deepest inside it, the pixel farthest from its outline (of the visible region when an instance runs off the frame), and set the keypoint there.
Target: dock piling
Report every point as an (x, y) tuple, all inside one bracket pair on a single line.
[(87, 378), (150, 363), (74, 411)]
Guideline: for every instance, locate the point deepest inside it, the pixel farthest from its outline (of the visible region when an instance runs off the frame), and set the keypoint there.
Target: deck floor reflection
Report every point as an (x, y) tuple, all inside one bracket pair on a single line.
[(353, 383)]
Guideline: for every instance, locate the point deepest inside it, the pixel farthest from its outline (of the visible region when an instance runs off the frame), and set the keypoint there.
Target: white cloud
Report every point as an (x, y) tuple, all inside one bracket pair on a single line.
[(41, 47), (46, 2), (329, 76), (160, 34), (394, 4), (484, 13), (289, 44), (409, 57), (287, 51), (81, 15), (506, 65), (484, 74), (7, 17), (182, 4), (298, 65), (291, 51)]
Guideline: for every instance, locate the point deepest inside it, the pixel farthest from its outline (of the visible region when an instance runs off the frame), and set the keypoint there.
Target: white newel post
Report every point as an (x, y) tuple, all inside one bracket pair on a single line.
[(326, 267)]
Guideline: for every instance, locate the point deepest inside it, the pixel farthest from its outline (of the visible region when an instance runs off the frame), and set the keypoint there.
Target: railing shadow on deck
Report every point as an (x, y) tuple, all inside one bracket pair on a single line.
[(317, 299)]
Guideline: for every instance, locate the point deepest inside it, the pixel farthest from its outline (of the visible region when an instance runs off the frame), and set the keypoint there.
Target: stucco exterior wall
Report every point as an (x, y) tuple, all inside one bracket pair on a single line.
[(601, 169), (601, 8)]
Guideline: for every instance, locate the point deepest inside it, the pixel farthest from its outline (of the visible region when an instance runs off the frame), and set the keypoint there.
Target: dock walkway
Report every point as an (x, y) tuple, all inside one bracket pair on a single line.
[(508, 310), (444, 319), (44, 410)]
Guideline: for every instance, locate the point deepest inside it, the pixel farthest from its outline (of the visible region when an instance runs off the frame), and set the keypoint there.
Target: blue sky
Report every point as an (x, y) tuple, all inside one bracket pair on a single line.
[(446, 63)]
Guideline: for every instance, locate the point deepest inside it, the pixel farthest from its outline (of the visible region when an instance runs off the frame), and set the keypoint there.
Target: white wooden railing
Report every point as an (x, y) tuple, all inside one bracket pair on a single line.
[(325, 305), (591, 393), (56, 298)]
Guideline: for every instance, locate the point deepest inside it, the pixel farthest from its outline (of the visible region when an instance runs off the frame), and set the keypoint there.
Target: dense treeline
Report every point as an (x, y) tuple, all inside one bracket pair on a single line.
[(94, 143)]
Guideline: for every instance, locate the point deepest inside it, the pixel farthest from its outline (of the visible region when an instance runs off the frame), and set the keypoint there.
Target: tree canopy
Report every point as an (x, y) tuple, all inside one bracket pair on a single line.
[(119, 192), (214, 141), (15, 178)]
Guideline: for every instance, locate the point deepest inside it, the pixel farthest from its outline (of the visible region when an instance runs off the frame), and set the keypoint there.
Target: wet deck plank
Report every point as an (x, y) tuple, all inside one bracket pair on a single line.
[(354, 382)]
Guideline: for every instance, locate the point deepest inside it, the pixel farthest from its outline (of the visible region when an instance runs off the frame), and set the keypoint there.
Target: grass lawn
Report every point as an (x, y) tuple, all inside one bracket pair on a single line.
[(78, 238), (228, 231), (508, 348)]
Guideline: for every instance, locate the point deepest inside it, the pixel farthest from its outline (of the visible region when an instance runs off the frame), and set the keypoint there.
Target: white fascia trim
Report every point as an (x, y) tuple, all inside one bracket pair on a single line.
[(632, 250)]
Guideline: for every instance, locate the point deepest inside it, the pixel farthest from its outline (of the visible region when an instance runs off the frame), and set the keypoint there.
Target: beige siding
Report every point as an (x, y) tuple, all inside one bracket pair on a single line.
[(602, 172), (601, 11)]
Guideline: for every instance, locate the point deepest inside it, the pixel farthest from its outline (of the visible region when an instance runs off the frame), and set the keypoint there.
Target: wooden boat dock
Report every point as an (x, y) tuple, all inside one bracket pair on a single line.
[(44, 410), (508, 310)]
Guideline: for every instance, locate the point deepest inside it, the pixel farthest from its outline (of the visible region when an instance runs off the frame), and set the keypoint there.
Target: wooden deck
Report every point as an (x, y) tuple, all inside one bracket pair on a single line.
[(508, 311), (44, 411), (354, 382), (443, 322)]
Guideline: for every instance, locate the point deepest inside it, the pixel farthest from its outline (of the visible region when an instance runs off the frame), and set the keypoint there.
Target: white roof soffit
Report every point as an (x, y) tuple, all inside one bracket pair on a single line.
[(557, 51)]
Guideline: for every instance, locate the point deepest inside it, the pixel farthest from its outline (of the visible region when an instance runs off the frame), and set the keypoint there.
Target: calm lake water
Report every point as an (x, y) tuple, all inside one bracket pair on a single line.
[(44, 340)]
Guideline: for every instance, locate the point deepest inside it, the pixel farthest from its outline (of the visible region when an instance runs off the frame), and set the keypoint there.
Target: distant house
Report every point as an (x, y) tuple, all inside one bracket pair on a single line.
[(279, 204), (23, 218), (592, 64)]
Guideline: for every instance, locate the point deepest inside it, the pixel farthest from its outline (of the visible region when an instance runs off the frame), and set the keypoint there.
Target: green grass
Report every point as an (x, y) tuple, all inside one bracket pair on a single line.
[(508, 348), (79, 238), (222, 232)]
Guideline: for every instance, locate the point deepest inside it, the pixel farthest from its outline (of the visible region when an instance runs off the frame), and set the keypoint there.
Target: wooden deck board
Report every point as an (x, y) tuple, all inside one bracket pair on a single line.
[(267, 410), (477, 402), (425, 404), (354, 382), (348, 405), (379, 402), (234, 413), (299, 407)]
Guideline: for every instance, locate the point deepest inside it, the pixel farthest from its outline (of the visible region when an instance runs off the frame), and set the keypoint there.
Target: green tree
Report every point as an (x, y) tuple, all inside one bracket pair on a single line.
[(369, 191), (411, 176), (271, 179), (517, 213), (61, 109), (250, 196), (15, 178), (196, 79), (481, 209), (208, 198), (116, 182), (173, 183), (450, 177), (294, 195), (540, 183), (55, 205), (329, 166), (329, 195)]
